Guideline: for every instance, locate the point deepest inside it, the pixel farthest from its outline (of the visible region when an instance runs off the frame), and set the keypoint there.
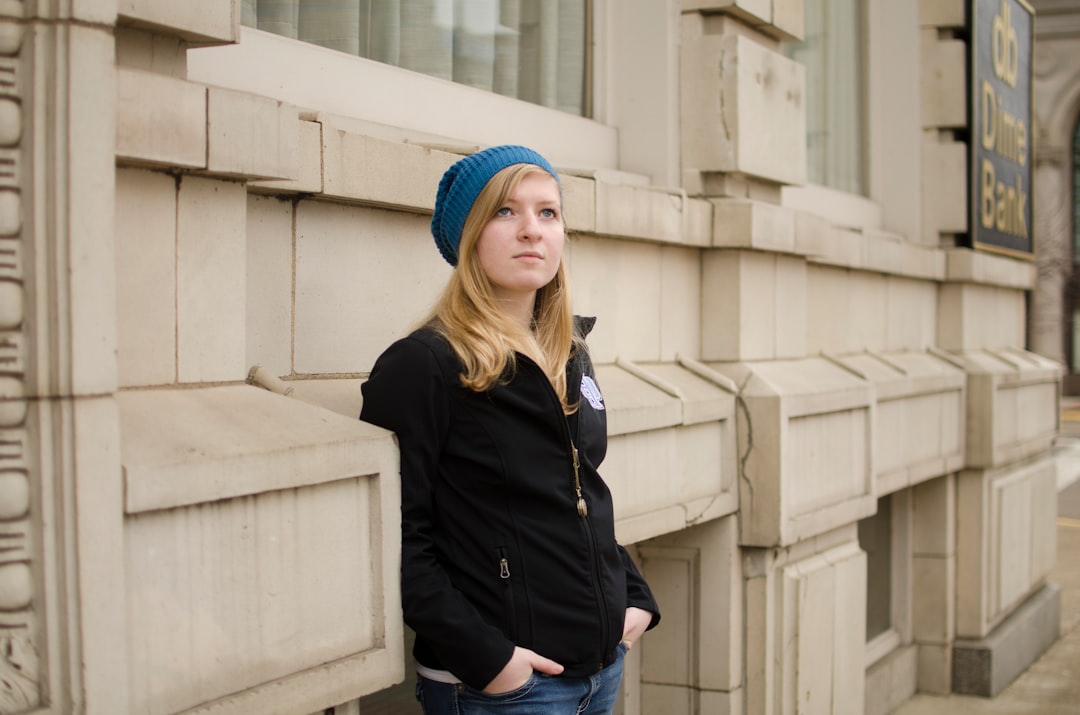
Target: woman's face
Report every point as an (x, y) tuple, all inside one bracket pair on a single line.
[(521, 246)]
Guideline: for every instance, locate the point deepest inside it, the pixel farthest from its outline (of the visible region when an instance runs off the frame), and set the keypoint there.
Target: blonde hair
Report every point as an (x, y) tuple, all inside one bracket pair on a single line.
[(484, 336)]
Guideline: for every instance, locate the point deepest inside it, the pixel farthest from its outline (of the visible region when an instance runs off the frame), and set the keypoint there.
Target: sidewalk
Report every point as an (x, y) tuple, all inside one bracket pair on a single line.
[(1051, 686)]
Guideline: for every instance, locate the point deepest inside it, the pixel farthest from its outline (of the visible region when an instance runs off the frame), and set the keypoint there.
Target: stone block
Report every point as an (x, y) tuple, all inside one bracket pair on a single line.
[(791, 291), (753, 306), (754, 11), (340, 395), (806, 445), (934, 528), (741, 223), (869, 297), (782, 19), (883, 252), (667, 419), (408, 175), (269, 284), (944, 82), (828, 293), (238, 504), (160, 120), (621, 283), (89, 11), (705, 394), (198, 21), (934, 668), (742, 109), (641, 212), (923, 262), (942, 13), (579, 206), (965, 265), (843, 247), (911, 314), (962, 314), (149, 52), (812, 234), (74, 458), (944, 188), (340, 328), (934, 579), (251, 137), (919, 432), (210, 280), (789, 19), (76, 190), (813, 653), (987, 666), (890, 681), (145, 277), (1006, 543), (1012, 405), (672, 699), (702, 650), (722, 703), (636, 405), (680, 302), (308, 161)]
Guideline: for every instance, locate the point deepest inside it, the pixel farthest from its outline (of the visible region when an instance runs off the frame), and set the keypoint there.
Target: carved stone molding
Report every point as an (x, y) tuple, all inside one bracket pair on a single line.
[(20, 658)]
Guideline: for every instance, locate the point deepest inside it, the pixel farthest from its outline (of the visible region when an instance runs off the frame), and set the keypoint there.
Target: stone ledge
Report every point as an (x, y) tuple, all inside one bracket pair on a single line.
[(779, 19), (964, 265), (204, 22), (806, 440), (160, 120), (1012, 404), (985, 667), (194, 446), (919, 427)]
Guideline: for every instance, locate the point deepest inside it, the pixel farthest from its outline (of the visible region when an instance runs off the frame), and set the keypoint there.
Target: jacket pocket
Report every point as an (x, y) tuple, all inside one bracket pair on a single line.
[(507, 584)]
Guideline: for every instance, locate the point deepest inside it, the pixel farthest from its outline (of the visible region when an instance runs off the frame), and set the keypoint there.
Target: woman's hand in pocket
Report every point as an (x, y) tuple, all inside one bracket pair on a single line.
[(517, 670)]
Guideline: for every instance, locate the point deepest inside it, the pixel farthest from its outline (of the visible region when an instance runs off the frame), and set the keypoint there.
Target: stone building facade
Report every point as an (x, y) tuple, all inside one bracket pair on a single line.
[(829, 445), (1055, 329)]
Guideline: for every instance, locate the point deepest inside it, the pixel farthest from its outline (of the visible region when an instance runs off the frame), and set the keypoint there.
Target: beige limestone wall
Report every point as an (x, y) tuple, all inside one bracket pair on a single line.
[(60, 475), (772, 368)]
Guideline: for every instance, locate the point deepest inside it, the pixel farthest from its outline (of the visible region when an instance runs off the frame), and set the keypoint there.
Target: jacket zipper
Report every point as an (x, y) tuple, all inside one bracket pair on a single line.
[(508, 594), (582, 508), (594, 551)]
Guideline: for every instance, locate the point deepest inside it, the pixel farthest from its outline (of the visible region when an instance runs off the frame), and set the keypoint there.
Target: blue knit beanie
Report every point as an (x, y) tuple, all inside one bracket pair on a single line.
[(462, 183)]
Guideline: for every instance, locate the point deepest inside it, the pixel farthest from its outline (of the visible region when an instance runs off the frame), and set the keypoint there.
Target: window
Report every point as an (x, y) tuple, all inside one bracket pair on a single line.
[(875, 538), (534, 50), (832, 53)]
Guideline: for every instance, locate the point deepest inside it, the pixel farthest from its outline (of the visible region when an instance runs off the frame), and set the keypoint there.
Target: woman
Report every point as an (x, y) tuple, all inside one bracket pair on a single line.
[(521, 599)]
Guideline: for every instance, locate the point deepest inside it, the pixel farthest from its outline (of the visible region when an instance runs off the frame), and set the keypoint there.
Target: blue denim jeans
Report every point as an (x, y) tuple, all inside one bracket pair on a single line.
[(540, 695)]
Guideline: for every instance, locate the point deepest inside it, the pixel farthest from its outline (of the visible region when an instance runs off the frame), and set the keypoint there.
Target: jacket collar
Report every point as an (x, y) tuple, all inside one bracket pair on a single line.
[(583, 325)]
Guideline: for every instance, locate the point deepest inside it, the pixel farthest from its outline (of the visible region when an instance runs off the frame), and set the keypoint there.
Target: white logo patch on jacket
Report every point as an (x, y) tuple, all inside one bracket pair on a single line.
[(591, 392)]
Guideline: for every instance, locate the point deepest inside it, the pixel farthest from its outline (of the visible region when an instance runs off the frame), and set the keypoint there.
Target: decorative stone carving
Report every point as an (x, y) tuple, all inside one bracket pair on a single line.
[(20, 679)]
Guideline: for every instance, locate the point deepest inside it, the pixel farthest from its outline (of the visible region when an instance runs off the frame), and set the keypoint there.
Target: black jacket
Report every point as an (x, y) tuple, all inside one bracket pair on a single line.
[(494, 552)]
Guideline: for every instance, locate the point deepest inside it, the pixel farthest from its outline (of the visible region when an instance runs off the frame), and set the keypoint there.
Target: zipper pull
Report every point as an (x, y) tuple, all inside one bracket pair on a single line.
[(582, 508), (504, 569)]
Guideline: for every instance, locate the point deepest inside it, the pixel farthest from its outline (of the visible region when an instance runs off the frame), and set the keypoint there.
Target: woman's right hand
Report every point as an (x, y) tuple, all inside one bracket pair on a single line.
[(517, 670)]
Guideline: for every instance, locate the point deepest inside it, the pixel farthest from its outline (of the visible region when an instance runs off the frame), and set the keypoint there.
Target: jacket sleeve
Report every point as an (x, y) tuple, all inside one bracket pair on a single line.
[(638, 593), (407, 394)]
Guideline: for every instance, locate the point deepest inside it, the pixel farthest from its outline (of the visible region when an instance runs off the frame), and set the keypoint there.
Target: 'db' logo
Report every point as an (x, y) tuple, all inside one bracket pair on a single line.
[(591, 392)]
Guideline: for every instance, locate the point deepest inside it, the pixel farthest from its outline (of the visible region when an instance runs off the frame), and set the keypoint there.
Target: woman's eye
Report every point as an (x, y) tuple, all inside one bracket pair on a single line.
[(548, 213), (504, 211)]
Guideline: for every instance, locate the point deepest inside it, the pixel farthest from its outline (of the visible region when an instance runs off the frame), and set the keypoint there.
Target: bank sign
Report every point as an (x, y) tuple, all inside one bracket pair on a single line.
[(1002, 114)]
